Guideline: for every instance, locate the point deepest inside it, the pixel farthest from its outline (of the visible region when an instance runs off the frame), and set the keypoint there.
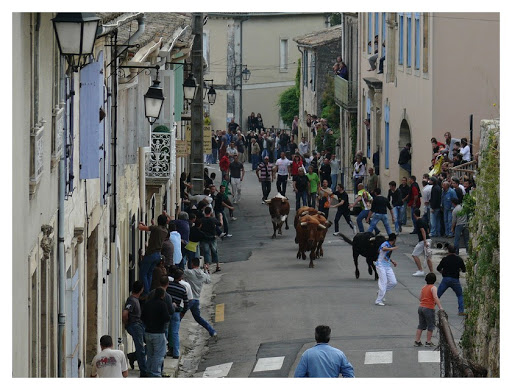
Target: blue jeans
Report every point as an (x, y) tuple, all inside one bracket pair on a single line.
[(255, 159), (264, 154), (215, 154), (398, 212), (447, 214), (312, 200), (362, 215), (435, 222), (375, 219), (193, 305), (187, 257), (412, 217), (209, 251), (460, 230), (301, 195), (334, 181), (149, 263), (454, 284), (407, 167), (225, 223), (175, 333), (156, 346), (136, 330)]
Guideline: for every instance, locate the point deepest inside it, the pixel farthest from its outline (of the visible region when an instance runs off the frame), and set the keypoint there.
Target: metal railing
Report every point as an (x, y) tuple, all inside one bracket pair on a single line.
[(453, 365), (345, 93), (467, 169)]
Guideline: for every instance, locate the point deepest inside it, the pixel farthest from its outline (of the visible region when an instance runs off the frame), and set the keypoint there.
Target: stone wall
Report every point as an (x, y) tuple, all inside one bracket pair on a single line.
[(481, 337)]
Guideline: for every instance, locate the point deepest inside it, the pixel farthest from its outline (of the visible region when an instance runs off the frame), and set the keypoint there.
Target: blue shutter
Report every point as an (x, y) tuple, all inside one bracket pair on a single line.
[(91, 99), (409, 40), (377, 27), (417, 41), (370, 36), (401, 41)]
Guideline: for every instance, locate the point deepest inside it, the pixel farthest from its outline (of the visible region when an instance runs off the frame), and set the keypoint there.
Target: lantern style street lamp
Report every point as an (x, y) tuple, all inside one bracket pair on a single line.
[(190, 88), (212, 95), (153, 101), (76, 34), (246, 74)]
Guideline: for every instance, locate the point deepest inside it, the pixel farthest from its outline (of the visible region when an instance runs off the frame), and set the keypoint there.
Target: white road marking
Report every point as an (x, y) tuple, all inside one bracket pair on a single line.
[(269, 364), (219, 371), (429, 357), (382, 357)]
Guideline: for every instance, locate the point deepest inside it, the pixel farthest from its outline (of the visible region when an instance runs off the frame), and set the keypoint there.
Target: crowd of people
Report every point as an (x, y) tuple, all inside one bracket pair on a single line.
[(170, 274)]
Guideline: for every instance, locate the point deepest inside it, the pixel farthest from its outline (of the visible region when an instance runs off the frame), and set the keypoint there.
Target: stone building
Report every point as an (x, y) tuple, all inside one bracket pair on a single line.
[(319, 51), (88, 167)]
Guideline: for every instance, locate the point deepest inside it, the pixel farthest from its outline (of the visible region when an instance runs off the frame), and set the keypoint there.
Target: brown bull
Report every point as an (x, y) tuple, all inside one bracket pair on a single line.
[(303, 211), (279, 208), (321, 234), (309, 231)]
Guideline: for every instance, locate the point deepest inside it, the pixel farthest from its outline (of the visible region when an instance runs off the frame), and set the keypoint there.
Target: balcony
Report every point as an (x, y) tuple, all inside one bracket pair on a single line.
[(345, 94), (160, 161)]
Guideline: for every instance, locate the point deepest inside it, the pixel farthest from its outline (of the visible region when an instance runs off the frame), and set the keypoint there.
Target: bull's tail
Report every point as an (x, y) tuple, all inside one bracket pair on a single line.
[(346, 239)]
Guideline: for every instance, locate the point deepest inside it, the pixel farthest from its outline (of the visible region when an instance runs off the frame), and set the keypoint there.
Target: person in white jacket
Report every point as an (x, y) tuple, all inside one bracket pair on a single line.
[(196, 278)]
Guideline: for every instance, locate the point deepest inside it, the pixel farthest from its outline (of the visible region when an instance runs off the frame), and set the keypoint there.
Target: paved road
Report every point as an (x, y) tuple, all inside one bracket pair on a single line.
[(266, 303)]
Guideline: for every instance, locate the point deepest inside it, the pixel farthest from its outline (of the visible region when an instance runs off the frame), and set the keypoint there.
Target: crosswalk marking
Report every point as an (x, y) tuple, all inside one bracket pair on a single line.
[(219, 371), (381, 357), (219, 312), (269, 364), (429, 357)]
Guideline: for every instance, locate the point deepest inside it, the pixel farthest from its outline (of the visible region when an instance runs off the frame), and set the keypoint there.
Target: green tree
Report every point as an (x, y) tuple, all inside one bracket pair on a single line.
[(335, 18), (288, 102)]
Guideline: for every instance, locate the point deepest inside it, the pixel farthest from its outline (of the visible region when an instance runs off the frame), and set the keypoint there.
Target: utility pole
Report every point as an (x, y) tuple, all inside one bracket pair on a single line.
[(196, 142)]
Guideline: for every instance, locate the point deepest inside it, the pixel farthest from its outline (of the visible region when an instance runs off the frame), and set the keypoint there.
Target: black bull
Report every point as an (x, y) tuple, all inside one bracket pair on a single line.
[(367, 245)]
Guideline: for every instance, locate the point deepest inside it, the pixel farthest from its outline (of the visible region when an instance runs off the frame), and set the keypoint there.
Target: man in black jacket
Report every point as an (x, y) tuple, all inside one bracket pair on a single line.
[(435, 208), (450, 267), (405, 158), (155, 317), (395, 197)]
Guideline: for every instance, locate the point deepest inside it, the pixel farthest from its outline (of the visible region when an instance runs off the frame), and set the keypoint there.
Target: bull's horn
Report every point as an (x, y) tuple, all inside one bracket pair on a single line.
[(267, 201), (372, 239), (304, 213), (321, 213), (303, 223), (322, 226)]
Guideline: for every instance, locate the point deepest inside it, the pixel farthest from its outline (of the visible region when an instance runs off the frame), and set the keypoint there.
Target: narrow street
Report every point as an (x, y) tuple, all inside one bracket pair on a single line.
[(266, 304)]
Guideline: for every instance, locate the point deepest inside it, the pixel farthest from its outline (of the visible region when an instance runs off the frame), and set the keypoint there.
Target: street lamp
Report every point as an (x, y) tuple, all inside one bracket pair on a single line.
[(212, 95), (76, 34), (153, 101), (246, 74), (190, 88)]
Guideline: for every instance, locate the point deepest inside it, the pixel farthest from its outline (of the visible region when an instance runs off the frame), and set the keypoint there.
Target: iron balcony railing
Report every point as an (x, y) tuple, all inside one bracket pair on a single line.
[(345, 93)]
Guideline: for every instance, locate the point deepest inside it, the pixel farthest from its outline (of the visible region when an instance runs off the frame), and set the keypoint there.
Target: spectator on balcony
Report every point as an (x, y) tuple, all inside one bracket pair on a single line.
[(436, 146), (373, 59), (343, 71), (405, 158), (450, 143), (382, 59), (251, 122), (233, 126), (465, 150)]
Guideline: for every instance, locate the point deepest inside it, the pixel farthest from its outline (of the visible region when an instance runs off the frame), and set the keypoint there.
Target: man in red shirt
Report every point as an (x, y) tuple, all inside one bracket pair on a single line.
[(414, 201)]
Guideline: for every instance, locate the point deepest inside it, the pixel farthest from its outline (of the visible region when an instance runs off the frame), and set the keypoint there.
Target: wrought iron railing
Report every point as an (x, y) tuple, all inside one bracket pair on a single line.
[(453, 365), (158, 160)]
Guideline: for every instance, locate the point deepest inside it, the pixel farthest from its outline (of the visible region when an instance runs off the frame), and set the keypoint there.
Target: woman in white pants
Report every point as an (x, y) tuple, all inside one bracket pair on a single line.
[(387, 279)]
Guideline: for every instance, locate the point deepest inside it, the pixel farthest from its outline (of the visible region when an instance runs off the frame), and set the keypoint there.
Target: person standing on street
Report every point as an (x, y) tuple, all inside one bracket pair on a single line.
[(266, 176), (313, 186), (450, 266), (178, 294), (322, 360), (155, 317), (153, 250), (300, 187), (395, 197), (109, 363), (133, 324), (387, 278), (427, 310), (283, 172), (459, 225), (342, 210), (423, 245), (379, 213), (237, 171), (196, 278)]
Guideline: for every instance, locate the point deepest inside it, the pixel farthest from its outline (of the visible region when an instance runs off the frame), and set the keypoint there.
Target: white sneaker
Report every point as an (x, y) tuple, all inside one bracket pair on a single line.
[(222, 235), (419, 273), (233, 218), (335, 234), (380, 303), (229, 235)]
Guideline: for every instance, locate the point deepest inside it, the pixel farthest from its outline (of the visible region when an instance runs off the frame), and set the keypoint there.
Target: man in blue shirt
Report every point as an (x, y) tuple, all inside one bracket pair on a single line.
[(322, 360)]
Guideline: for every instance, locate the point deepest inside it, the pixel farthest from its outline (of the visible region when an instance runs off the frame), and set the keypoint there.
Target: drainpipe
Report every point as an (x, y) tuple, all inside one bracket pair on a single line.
[(61, 349), (142, 183), (36, 69)]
